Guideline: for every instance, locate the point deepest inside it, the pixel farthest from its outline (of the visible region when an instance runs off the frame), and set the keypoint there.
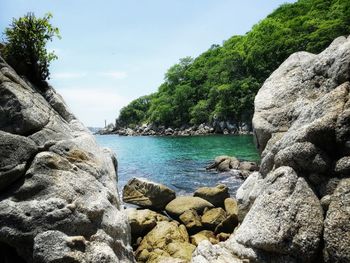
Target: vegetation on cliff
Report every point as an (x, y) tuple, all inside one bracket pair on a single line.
[(25, 46), (222, 82)]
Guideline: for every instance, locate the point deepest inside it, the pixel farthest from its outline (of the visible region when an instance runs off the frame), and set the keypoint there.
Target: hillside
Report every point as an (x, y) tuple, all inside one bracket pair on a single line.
[(222, 82)]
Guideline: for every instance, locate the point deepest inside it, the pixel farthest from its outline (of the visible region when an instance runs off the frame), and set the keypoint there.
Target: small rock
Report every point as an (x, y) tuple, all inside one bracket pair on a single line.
[(204, 235), (215, 195), (212, 218), (228, 225), (231, 206), (183, 203), (143, 221), (191, 220), (248, 166), (147, 194)]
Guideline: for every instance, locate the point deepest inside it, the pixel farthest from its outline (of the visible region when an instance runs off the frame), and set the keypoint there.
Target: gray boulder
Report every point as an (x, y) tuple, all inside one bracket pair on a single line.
[(337, 225), (58, 201), (285, 219), (147, 194)]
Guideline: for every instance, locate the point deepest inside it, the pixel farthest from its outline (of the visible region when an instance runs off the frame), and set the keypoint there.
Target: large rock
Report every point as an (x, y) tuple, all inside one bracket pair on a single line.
[(58, 200), (147, 194), (337, 225), (247, 193), (183, 203), (302, 130), (224, 163), (167, 239), (285, 219), (215, 195)]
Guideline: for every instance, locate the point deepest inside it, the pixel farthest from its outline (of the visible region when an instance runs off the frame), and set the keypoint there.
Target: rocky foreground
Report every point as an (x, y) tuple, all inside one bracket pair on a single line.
[(168, 228), (58, 195)]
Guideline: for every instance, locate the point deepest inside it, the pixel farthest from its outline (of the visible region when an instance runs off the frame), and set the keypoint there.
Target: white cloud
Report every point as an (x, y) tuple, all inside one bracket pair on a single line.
[(93, 105), (114, 74), (68, 75)]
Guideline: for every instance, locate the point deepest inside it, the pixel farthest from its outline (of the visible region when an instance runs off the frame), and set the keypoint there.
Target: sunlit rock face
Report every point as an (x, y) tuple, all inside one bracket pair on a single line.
[(298, 208), (58, 201)]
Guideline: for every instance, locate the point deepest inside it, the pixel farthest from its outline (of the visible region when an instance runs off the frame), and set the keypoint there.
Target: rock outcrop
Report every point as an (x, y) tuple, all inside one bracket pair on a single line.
[(59, 201), (147, 194), (296, 209)]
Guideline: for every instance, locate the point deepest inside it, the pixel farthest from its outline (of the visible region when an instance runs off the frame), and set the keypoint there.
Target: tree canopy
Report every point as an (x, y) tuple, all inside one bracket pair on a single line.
[(25, 45), (222, 82)]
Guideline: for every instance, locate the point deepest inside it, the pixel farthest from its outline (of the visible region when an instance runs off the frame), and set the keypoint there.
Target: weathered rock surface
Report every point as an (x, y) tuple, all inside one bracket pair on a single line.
[(183, 203), (285, 219), (247, 193), (58, 200), (142, 221), (302, 129), (147, 194), (224, 163), (337, 225), (206, 252), (214, 195), (167, 239)]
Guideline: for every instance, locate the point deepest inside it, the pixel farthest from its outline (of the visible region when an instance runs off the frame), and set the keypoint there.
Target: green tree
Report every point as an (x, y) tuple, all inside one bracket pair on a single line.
[(25, 46)]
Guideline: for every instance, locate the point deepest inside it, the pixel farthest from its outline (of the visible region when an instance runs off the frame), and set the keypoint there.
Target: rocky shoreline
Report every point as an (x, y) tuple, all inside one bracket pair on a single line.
[(168, 228), (218, 127)]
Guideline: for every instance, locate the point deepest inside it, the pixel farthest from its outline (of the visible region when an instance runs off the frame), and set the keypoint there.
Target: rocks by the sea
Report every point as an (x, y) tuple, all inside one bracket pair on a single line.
[(167, 239), (216, 127), (231, 206), (204, 235), (59, 201), (142, 221), (213, 217), (191, 220), (182, 204), (297, 207), (147, 194), (214, 195), (240, 169), (247, 193), (285, 219)]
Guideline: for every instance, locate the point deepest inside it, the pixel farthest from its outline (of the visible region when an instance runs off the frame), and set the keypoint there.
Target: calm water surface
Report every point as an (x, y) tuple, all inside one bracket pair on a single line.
[(178, 162)]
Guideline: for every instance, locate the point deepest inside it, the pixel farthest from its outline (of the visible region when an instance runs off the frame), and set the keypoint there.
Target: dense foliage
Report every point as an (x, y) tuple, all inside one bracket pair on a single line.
[(222, 82), (25, 45)]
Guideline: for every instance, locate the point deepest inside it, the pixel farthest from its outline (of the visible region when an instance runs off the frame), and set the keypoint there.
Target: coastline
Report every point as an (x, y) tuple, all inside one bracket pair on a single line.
[(224, 128)]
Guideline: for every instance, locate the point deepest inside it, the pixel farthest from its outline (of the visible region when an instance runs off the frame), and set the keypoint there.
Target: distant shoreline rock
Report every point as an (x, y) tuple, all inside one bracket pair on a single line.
[(202, 129)]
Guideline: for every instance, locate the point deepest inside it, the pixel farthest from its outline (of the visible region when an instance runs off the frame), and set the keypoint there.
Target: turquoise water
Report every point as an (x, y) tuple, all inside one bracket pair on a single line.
[(178, 162)]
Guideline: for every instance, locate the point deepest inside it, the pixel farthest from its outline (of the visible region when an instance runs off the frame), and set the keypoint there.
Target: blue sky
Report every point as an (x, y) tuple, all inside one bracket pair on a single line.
[(112, 51)]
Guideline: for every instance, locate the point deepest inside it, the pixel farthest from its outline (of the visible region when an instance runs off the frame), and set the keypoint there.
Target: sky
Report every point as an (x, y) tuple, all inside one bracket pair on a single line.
[(113, 51)]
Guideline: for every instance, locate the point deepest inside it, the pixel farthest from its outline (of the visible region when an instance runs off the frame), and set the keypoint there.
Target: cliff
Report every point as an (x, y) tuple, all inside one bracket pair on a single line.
[(58, 195), (297, 208)]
